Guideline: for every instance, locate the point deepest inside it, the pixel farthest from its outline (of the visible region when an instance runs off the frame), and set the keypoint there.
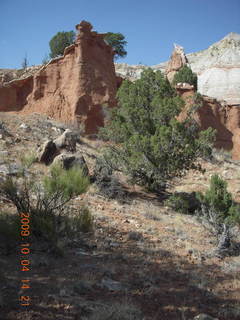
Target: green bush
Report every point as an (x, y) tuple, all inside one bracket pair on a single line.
[(217, 197), (83, 221), (28, 159), (46, 201), (183, 202), (70, 182), (177, 203), (185, 74), (234, 214), (151, 146)]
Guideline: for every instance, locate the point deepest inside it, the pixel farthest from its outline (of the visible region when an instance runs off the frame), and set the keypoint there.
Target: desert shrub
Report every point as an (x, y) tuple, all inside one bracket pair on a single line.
[(9, 232), (183, 202), (177, 203), (218, 211), (70, 182), (83, 221), (46, 200), (149, 144), (217, 197), (234, 214), (28, 159)]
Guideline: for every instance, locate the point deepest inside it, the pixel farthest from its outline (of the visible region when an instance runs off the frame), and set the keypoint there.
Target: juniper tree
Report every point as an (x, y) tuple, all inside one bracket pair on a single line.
[(149, 144), (185, 74)]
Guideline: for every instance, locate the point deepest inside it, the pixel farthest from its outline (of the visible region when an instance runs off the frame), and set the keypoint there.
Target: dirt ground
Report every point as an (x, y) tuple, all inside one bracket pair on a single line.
[(142, 258)]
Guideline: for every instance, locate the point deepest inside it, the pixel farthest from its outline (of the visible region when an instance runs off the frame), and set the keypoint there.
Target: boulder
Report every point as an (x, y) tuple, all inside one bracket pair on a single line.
[(68, 161), (66, 141), (47, 152)]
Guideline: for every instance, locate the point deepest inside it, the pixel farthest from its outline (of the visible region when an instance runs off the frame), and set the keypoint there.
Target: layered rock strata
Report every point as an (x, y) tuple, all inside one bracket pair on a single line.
[(218, 115), (72, 88)]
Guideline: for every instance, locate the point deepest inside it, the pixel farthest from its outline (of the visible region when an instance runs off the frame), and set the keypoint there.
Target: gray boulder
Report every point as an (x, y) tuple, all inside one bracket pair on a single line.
[(47, 152), (66, 141), (68, 161)]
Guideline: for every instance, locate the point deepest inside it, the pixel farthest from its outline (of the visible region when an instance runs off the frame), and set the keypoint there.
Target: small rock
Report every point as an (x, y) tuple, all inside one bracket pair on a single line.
[(134, 235), (111, 285), (204, 316), (67, 140), (10, 170), (64, 292), (47, 152), (25, 127), (82, 287)]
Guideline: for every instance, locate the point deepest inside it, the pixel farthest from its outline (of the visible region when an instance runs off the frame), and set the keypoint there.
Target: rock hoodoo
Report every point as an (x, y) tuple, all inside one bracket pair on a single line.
[(176, 62), (72, 88)]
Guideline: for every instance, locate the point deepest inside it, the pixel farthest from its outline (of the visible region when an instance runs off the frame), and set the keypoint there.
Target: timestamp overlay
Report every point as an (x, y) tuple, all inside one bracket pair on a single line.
[(24, 260)]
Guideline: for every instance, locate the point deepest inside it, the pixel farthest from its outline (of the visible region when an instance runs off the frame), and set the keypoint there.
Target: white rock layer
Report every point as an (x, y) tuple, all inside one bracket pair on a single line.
[(218, 69)]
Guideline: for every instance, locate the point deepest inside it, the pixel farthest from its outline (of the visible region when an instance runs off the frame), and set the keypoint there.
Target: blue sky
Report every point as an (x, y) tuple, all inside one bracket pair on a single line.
[(150, 27)]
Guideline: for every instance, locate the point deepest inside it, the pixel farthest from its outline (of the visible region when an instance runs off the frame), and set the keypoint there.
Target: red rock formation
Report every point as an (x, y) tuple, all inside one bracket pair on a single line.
[(72, 88), (222, 117), (176, 62)]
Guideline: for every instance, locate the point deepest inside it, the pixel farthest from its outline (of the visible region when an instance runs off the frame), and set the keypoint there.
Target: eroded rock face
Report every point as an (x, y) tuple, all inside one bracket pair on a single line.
[(72, 88), (218, 69), (220, 116), (177, 61)]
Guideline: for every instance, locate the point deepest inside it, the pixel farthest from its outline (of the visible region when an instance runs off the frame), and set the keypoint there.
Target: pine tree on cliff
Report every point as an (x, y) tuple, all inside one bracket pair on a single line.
[(63, 39), (117, 42), (185, 74), (59, 42)]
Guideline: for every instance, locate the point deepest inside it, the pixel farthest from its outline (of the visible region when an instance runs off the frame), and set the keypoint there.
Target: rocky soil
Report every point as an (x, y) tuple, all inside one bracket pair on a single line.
[(142, 261)]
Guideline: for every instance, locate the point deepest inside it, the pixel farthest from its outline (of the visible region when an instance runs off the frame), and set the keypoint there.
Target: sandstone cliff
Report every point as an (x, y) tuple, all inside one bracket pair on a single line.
[(218, 115), (72, 88), (218, 68)]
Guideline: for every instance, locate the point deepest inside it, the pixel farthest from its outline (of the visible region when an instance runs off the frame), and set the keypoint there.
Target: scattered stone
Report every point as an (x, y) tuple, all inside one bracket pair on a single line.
[(134, 235), (82, 287), (67, 141), (64, 292), (68, 161), (112, 285), (10, 169), (25, 127), (204, 316), (47, 152)]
